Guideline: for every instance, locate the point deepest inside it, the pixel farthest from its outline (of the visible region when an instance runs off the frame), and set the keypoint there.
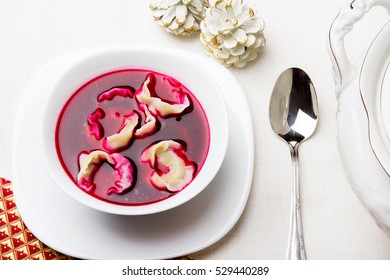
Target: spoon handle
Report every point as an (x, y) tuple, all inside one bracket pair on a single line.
[(296, 246)]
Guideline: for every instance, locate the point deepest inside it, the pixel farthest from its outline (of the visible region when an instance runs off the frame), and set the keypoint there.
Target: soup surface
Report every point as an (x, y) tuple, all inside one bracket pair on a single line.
[(132, 137)]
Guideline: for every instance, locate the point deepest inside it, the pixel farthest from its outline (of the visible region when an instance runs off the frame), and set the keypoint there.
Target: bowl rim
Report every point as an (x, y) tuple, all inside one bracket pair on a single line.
[(92, 62)]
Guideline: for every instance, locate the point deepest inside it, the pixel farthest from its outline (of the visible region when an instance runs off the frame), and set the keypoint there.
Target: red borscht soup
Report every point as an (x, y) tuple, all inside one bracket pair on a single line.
[(132, 137)]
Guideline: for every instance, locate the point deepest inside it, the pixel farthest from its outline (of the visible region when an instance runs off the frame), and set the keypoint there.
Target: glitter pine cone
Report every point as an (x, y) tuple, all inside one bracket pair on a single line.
[(232, 32), (181, 17)]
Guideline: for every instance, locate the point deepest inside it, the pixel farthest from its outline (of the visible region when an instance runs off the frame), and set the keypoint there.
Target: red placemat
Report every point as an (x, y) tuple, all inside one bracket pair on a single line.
[(16, 240)]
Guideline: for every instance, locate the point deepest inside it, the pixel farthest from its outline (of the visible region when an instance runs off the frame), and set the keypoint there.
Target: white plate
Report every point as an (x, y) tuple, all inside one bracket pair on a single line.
[(73, 229)]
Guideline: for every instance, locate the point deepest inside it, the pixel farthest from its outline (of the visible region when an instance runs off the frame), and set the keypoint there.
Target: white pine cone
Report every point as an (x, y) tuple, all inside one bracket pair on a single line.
[(232, 32), (181, 17)]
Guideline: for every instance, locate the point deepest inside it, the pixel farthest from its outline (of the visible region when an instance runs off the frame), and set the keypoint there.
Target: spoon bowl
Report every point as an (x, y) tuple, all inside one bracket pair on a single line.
[(293, 106), (293, 114)]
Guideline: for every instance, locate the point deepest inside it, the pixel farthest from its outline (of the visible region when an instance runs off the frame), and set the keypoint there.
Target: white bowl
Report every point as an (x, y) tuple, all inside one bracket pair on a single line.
[(93, 62)]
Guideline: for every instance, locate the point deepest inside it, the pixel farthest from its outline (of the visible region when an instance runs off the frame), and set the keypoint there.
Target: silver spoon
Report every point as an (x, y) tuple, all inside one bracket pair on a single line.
[(293, 116)]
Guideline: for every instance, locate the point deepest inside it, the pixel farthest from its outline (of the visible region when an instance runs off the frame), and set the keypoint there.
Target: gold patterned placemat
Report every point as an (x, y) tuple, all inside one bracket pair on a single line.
[(16, 240)]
